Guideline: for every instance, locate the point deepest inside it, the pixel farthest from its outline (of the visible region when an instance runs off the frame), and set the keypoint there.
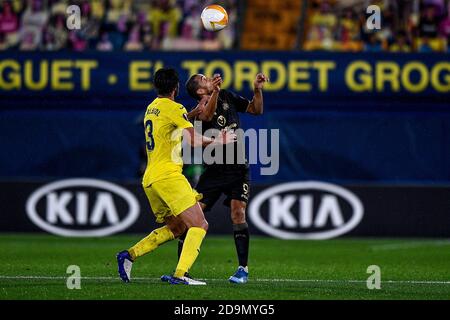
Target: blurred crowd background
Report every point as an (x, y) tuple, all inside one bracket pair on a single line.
[(107, 25), (407, 25), (143, 25)]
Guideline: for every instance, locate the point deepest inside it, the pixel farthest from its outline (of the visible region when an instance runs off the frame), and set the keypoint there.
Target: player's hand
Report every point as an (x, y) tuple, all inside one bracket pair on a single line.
[(226, 137), (260, 80), (203, 102), (217, 82), (201, 106)]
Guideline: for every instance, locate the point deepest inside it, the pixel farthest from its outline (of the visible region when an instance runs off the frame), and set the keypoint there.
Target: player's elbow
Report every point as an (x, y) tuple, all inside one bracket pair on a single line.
[(256, 112), (206, 117), (259, 109)]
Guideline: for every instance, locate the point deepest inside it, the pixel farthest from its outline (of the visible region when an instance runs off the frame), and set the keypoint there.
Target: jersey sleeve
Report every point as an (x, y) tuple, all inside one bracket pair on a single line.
[(179, 118), (241, 103)]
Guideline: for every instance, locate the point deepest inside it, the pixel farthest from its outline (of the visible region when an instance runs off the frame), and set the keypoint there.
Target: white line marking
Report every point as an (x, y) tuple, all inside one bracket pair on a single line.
[(410, 245), (256, 280)]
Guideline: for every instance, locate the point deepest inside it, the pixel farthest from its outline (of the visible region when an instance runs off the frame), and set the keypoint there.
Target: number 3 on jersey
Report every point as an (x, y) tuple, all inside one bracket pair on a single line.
[(149, 131)]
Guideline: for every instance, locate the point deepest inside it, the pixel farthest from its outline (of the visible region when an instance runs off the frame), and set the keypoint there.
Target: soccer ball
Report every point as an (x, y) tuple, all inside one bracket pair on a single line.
[(214, 18)]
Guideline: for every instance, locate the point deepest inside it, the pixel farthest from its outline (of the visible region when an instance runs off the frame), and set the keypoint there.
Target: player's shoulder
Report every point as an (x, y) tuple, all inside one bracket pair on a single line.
[(228, 95), (224, 93), (173, 106), (166, 105)]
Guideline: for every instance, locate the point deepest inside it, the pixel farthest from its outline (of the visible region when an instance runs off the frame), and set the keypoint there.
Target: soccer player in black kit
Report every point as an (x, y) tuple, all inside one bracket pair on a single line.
[(219, 109)]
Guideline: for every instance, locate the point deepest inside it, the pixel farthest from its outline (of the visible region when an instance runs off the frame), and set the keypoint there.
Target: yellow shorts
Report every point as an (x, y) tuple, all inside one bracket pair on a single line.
[(170, 197)]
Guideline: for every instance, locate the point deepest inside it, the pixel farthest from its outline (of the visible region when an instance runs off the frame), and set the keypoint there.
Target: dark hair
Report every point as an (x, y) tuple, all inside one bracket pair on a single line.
[(192, 87), (166, 80)]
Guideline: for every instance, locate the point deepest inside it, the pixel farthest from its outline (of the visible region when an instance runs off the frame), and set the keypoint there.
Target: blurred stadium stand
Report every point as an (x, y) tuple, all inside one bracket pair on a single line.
[(139, 25), (409, 25), (107, 25), (271, 25)]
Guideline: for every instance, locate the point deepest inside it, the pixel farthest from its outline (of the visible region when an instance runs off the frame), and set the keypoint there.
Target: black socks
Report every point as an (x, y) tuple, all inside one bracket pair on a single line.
[(241, 239)]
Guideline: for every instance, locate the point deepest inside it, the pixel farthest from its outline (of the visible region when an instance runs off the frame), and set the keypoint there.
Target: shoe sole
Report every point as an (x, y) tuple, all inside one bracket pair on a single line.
[(235, 281), (188, 284), (176, 282), (169, 280)]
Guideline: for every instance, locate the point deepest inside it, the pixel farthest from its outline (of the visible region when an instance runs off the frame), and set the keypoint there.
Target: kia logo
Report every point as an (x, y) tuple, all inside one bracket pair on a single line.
[(82, 208), (306, 210)]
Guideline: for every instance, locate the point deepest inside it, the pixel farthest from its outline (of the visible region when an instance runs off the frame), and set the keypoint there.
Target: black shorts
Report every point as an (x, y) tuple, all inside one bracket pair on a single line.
[(233, 181)]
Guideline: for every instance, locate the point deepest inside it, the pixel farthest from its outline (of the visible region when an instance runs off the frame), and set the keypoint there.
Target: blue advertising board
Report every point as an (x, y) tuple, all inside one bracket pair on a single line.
[(347, 118), (124, 79)]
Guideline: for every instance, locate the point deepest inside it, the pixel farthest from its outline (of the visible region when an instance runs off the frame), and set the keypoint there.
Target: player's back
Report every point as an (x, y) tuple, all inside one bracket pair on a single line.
[(163, 122)]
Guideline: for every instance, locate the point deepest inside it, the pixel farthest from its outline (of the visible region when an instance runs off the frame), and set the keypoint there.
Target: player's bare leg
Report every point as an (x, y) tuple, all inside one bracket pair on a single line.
[(241, 240), (183, 236), (180, 248), (197, 226), (176, 225)]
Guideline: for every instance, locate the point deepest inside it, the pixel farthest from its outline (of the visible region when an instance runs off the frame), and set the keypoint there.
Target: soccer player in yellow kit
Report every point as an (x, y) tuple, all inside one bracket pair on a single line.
[(172, 199)]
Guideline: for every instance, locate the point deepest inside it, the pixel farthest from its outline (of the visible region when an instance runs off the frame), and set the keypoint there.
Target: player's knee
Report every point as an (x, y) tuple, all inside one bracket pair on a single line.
[(204, 225), (182, 230), (178, 228), (238, 215), (177, 231)]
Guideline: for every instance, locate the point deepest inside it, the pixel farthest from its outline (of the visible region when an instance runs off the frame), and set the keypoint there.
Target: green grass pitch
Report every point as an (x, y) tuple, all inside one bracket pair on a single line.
[(34, 267)]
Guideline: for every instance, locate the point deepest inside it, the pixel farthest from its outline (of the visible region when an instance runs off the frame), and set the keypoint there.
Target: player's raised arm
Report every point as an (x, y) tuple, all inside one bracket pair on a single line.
[(211, 105), (256, 105), (196, 140), (199, 109)]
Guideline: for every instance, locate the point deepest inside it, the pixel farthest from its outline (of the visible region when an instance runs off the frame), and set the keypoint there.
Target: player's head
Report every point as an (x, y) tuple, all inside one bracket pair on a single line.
[(166, 82), (199, 85)]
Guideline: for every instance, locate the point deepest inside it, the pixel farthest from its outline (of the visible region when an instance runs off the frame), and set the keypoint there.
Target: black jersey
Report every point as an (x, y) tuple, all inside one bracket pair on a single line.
[(226, 116)]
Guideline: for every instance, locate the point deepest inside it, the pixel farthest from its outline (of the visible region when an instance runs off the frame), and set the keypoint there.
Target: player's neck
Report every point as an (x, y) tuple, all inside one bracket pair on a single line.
[(171, 97)]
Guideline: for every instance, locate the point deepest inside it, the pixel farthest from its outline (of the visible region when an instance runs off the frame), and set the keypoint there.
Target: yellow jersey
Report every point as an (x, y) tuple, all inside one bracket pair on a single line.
[(163, 122)]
